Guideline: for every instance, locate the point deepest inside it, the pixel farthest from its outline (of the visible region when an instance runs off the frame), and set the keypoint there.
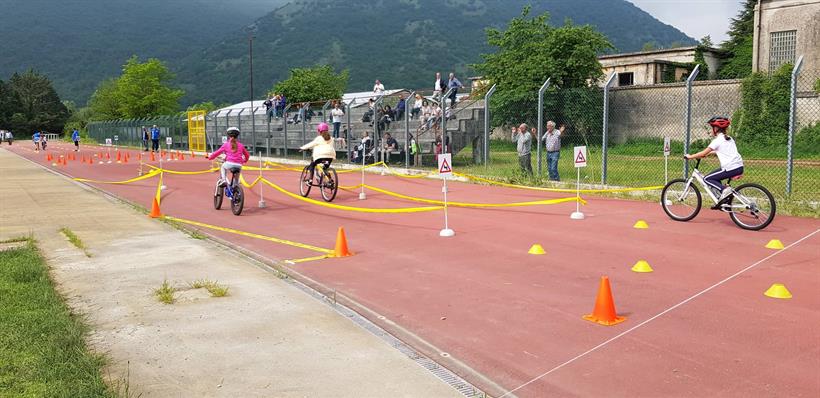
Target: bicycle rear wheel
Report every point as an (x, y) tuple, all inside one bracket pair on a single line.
[(304, 182), (753, 207), (329, 184), (238, 200), (681, 202), (218, 195)]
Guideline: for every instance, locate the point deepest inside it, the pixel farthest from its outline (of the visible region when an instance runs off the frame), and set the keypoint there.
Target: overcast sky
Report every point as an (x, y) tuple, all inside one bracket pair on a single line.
[(696, 18)]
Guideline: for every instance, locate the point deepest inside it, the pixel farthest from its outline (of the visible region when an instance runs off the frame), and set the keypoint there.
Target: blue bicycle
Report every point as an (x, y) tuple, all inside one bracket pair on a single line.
[(233, 191)]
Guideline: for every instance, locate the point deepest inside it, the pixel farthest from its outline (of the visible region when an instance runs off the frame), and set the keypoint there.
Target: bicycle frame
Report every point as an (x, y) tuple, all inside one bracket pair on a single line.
[(701, 179)]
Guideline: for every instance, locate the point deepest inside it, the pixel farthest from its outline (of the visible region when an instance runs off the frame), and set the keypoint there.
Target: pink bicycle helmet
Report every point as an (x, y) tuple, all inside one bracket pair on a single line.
[(322, 127)]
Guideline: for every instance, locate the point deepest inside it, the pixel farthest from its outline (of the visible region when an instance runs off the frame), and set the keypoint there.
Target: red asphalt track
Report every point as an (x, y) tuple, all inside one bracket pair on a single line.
[(513, 317)]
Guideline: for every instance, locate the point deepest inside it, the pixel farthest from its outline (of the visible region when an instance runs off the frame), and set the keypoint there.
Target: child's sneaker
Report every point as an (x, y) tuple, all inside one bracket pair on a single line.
[(725, 194)]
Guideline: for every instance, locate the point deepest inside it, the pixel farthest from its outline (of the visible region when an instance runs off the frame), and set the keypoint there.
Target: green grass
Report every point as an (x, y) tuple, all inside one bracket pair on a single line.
[(165, 293), (42, 345), (75, 240), (213, 287), (642, 164)]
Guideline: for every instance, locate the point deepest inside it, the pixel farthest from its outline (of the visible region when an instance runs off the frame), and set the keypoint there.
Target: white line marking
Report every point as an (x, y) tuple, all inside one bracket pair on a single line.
[(579, 356)]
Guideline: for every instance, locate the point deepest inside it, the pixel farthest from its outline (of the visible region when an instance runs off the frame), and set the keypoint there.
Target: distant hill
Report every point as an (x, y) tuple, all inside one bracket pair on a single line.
[(401, 42), (78, 43)]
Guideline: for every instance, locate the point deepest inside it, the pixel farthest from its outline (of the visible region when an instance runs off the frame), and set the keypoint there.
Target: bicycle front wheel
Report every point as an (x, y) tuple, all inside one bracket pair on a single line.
[(238, 200), (753, 207), (218, 195), (304, 182), (329, 183), (680, 200)]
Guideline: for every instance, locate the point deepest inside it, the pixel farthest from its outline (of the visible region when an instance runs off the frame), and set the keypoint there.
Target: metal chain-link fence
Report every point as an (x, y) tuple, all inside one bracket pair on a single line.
[(129, 132)]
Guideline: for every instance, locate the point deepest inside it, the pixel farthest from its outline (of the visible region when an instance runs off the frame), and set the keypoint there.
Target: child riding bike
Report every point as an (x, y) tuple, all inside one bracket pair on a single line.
[(235, 153), (731, 163), (323, 150)]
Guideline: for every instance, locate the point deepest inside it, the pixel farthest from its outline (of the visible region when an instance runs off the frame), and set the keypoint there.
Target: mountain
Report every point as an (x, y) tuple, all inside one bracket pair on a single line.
[(78, 43), (400, 42)]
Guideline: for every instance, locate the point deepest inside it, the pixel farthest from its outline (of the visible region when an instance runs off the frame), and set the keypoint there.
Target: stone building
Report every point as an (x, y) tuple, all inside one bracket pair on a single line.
[(785, 30), (656, 66)]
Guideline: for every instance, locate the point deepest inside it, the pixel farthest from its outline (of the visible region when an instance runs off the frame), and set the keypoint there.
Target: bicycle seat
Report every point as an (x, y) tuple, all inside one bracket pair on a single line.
[(235, 169), (737, 177)]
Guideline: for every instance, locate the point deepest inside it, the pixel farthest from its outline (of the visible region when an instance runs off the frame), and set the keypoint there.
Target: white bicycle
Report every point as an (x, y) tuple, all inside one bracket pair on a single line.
[(750, 206)]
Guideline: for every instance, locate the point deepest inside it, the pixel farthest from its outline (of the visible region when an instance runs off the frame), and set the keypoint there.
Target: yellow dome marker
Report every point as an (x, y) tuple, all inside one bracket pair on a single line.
[(536, 249), (642, 266), (641, 224), (778, 290), (775, 244)]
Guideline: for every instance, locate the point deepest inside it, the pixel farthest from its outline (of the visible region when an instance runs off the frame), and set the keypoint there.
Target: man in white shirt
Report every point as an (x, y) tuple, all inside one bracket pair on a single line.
[(378, 88), (439, 85)]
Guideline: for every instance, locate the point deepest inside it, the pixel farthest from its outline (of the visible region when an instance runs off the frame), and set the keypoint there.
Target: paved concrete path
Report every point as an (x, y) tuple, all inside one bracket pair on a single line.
[(267, 338)]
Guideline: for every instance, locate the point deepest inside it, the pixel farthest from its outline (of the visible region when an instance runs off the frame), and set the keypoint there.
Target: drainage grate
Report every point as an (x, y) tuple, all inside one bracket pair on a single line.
[(445, 375)]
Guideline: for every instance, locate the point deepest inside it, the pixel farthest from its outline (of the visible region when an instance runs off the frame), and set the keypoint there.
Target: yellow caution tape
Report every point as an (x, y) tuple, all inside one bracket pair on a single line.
[(503, 184), (211, 170), (351, 208), (150, 174), (397, 174), (304, 260), (246, 184), (461, 204), (253, 235)]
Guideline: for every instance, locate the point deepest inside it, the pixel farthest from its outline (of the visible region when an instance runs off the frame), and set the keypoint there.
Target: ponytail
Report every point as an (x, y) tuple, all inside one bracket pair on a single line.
[(233, 144)]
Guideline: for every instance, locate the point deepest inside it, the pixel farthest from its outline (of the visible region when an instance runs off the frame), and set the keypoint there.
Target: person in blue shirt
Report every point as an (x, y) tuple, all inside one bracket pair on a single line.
[(36, 139), (154, 139), (75, 136), (400, 107), (454, 84)]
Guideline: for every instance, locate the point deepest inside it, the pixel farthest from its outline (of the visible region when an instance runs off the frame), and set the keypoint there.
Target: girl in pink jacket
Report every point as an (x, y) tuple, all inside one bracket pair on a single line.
[(235, 153)]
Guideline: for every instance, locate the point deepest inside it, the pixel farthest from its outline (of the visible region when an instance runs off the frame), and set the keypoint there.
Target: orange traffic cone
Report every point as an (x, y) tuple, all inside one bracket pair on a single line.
[(119, 156), (155, 213), (604, 312), (108, 155), (125, 159), (181, 156), (192, 155), (341, 245), (48, 157)]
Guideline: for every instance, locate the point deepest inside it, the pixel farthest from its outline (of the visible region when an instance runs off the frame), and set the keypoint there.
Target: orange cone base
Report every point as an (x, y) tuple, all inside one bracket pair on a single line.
[(617, 320)]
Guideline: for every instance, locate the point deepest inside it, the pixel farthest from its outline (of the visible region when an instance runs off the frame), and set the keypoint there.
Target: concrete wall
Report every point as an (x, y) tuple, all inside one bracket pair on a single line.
[(660, 110), (781, 15)]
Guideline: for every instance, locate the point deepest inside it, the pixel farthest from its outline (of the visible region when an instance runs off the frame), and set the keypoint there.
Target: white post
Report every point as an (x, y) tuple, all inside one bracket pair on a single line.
[(161, 187), (579, 155), (262, 204), (362, 195), (446, 232)]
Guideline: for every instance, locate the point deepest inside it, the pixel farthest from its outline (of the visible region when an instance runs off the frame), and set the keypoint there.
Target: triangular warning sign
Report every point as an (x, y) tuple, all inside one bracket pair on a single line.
[(580, 158), (445, 167)]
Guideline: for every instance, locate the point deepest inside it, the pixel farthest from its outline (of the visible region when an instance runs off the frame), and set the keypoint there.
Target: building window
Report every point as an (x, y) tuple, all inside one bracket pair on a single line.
[(782, 48), (625, 79)]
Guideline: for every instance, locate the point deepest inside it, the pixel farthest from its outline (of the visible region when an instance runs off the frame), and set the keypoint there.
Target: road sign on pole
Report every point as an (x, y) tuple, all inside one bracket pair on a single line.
[(579, 155), (445, 168), (445, 162)]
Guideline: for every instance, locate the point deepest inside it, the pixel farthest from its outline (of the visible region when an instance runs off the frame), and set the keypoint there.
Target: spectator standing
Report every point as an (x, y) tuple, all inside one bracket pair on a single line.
[(454, 84), (155, 138), (337, 114), (378, 88), (75, 136), (283, 103), (523, 141), (145, 138), (552, 142), (269, 108), (439, 86)]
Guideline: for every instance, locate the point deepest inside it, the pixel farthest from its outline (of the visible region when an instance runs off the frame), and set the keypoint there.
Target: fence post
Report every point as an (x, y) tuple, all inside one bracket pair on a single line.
[(376, 148), (540, 122), (689, 81), (605, 142), (446, 140), (407, 128), (285, 130), (303, 120), (347, 129), (253, 127), (487, 97), (792, 122)]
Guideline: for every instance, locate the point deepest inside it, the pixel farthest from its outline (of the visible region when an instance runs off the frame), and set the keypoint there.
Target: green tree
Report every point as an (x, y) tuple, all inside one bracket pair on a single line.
[(738, 62), (143, 89), (37, 105), (319, 83), (528, 52), (649, 46), (8, 104), (103, 103), (706, 41)]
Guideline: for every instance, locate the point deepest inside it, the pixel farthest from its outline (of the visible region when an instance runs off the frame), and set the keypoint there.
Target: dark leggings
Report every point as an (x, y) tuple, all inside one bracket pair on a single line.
[(325, 164), (715, 177)]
